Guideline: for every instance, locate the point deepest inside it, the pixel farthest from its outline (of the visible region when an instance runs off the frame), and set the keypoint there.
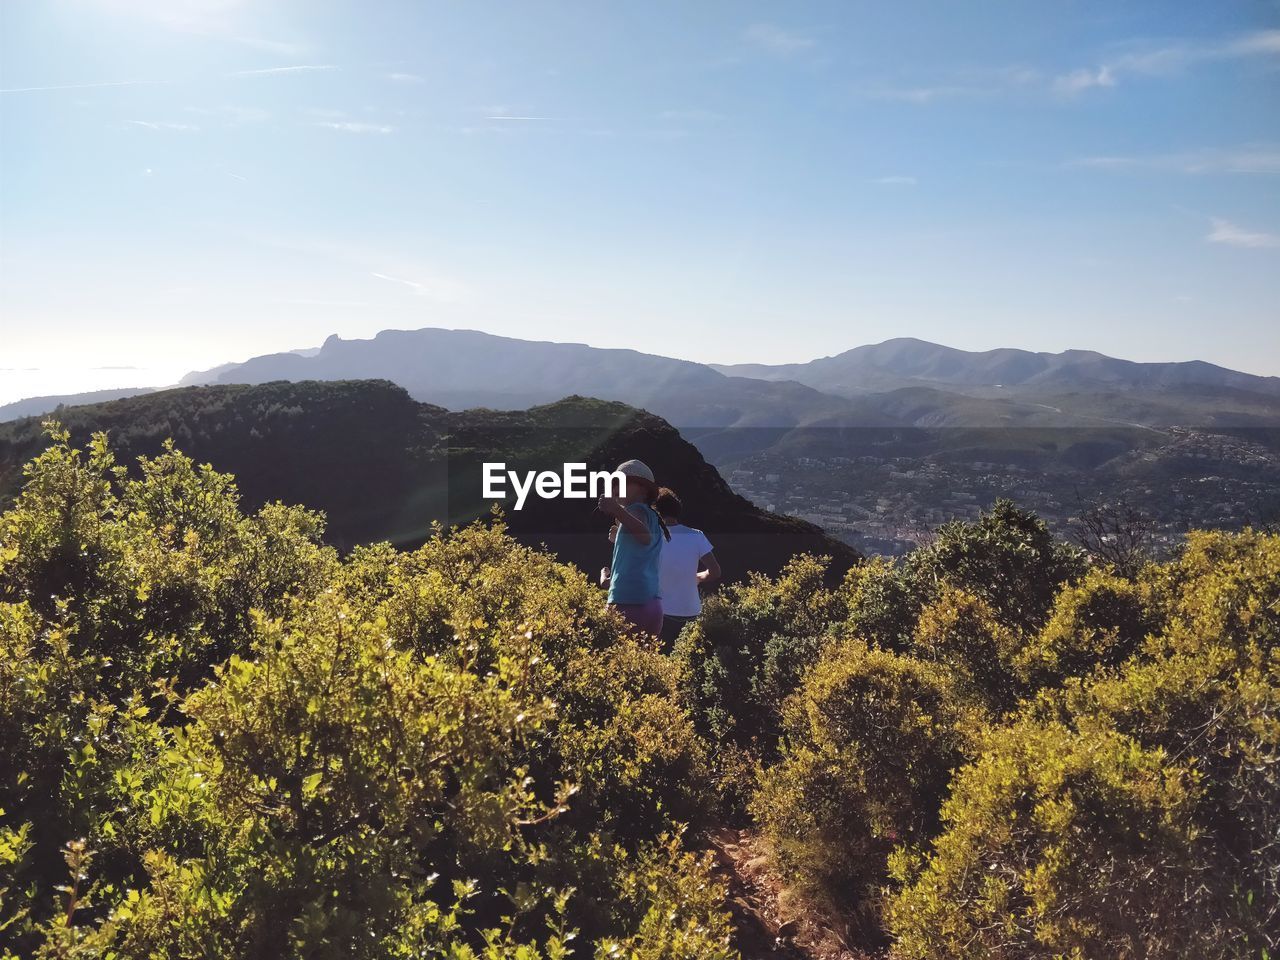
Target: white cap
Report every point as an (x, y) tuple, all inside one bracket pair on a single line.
[(634, 468)]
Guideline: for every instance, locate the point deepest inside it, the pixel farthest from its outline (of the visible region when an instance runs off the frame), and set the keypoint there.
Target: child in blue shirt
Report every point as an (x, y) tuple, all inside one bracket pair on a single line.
[(638, 536)]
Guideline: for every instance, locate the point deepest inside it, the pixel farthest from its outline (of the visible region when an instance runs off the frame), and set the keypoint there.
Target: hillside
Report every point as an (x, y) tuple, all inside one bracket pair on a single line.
[(384, 467), (35, 406)]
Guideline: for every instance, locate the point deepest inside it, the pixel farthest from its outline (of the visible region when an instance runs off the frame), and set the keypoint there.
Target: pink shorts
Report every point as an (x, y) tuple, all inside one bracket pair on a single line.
[(647, 616)]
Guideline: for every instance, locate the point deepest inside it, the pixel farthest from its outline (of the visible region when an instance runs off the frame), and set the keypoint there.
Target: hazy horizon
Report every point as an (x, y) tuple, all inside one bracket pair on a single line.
[(115, 378), (197, 182)]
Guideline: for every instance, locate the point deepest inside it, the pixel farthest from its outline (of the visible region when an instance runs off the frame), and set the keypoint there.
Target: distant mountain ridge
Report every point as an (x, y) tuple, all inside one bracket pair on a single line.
[(462, 369), (906, 361), (900, 383)]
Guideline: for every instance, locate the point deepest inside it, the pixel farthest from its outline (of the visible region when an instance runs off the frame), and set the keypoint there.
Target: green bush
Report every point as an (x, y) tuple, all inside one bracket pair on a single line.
[(871, 739), (1152, 782), (1007, 557), (478, 599), (961, 633), (1058, 844), (883, 603), (218, 739), (1100, 621), (1221, 589), (745, 655)]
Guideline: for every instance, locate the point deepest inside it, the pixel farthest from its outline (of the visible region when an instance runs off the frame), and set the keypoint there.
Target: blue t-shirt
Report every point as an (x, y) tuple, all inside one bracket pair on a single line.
[(633, 574)]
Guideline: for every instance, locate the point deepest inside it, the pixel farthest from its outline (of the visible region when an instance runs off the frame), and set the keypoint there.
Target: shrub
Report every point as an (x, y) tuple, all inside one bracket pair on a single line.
[(1221, 589), (1058, 844), (883, 603), (773, 629), (619, 734), (871, 739), (1007, 557), (961, 633), (1100, 621), (741, 659), (218, 739)]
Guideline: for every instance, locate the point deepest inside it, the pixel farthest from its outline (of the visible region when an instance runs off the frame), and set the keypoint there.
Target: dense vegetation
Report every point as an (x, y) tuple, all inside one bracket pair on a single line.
[(220, 738), (998, 748)]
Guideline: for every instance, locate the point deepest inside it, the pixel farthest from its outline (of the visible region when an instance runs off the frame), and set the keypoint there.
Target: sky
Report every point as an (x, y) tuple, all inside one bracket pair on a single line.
[(189, 182)]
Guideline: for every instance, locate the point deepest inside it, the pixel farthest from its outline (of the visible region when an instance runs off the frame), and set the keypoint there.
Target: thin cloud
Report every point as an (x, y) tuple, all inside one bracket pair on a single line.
[(896, 181), (970, 83), (1247, 160), (307, 302), (437, 288), (1224, 231), (1080, 80), (283, 71), (161, 125), (505, 117), (1163, 60), (1169, 59), (776, 40), (83, 86), (924, 95), (352, 126), (405, 78), (280, 48)]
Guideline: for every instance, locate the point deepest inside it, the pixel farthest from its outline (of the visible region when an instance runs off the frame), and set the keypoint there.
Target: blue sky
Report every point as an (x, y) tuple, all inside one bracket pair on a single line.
[(186, 182)]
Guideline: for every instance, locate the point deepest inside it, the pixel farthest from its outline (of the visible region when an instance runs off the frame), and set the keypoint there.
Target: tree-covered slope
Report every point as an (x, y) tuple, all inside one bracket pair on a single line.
[(385, 467)]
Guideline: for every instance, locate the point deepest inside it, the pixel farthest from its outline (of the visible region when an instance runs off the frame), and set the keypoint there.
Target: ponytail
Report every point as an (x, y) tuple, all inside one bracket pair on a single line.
[(650, 499)]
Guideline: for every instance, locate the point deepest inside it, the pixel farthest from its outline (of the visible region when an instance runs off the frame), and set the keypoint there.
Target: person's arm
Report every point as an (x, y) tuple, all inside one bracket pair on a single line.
[(613, 532), (633, 524), (712, 571)]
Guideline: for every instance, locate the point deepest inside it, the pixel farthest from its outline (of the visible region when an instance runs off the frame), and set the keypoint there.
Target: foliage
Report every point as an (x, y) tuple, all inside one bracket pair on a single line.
[(871, 739), (1100, 621), (745, 655), (1007, 557), (884, 603), (219, 739), (1132, 812), (1057, 845), (961, 632)]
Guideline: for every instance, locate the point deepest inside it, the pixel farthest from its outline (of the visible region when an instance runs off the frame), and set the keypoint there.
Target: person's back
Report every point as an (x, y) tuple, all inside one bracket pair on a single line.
[(685, 564), (678, 571)]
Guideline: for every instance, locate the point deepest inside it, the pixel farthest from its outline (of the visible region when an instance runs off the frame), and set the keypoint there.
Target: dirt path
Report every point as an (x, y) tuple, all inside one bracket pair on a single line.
[(769, 924)]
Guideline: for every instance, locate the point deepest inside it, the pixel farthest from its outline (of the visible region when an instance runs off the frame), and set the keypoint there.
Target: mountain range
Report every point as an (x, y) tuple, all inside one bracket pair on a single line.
[(899, 383), (908, 362)]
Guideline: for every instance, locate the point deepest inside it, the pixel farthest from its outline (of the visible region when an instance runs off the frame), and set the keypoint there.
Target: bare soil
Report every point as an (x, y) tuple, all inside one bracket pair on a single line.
[(770, 922)]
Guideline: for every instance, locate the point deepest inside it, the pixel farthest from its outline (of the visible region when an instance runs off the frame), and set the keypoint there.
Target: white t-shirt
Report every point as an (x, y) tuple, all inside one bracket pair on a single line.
[(678, 571)]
